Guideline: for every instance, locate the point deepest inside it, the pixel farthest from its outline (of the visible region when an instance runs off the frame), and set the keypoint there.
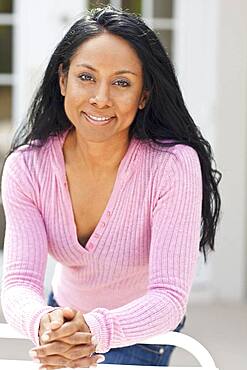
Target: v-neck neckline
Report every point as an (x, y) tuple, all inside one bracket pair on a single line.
[(124, 170)]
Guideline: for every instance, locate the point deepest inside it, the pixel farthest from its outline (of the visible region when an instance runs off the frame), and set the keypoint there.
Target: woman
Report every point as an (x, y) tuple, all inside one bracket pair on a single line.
[(110, 176)]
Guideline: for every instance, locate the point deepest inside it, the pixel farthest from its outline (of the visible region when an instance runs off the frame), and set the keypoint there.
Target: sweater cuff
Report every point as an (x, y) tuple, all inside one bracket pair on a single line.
[(93, 320)]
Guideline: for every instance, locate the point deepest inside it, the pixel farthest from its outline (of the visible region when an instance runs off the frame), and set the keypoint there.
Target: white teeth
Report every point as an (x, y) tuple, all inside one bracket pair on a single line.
[(99, 118)]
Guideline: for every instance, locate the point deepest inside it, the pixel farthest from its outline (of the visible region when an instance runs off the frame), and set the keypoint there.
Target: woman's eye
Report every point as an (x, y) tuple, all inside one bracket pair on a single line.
[(122, 83), (85, 77)]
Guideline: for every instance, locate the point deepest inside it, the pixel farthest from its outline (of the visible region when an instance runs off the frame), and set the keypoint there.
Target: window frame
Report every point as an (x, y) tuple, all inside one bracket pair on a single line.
[(8, 79)]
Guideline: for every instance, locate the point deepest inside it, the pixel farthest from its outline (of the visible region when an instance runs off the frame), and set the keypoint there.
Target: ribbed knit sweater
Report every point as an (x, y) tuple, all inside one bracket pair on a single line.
[(133, 278)]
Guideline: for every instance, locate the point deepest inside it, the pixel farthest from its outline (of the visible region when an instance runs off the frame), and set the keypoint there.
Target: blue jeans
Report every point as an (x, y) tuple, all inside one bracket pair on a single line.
[(137, 354)]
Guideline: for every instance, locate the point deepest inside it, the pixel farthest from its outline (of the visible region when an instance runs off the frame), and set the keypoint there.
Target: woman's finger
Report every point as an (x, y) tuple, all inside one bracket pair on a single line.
[(67, 329), (77, 352), (59, 362), (43, 367), (69, 313), (44, 326), (54, 348), (87, 361), (50, 367), (78, 338), (56, 318), (53, 360), (45, 323), (64, 350)]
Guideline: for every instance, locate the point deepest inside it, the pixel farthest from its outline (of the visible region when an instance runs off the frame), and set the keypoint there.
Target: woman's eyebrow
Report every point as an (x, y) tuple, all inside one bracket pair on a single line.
[(115, 73)]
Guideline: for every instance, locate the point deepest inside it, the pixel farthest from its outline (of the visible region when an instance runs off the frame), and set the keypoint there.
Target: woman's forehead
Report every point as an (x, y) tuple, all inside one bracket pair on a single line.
[(110, 50)]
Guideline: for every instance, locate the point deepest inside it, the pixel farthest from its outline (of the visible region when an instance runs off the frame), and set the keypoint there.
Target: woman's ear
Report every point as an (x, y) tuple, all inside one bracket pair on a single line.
[(144, 99), (62, 80)]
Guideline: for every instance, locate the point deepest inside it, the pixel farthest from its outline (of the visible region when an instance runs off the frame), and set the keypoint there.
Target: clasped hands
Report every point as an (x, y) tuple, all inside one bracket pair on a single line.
[(65, 341)]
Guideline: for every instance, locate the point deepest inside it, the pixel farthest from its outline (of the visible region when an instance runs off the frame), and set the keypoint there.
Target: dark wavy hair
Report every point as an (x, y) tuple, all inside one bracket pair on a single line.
[(164, 117)]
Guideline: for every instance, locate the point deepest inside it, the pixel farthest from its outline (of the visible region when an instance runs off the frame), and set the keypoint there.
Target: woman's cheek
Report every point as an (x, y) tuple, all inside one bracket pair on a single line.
[(130, 102)]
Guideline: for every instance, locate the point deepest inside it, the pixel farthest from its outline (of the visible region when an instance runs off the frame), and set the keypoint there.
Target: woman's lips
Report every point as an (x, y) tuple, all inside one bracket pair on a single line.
[(97, 122)]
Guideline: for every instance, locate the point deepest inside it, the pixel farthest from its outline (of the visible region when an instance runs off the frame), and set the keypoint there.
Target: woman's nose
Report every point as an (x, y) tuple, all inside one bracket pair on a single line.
[(101, 96)]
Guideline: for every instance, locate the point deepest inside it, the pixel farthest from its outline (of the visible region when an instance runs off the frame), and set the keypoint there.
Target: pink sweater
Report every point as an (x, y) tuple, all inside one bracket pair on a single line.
[(133, 278)]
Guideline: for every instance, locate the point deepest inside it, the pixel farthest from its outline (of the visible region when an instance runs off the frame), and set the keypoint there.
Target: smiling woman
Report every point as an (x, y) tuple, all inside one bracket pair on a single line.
[(103, 88), (110, 175)]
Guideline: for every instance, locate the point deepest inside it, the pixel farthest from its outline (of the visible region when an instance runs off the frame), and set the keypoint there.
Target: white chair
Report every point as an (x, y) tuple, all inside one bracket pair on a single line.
[(171, 338)]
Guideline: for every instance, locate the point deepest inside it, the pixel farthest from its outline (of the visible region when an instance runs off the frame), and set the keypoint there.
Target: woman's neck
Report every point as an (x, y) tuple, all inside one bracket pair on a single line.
[(96, 158)]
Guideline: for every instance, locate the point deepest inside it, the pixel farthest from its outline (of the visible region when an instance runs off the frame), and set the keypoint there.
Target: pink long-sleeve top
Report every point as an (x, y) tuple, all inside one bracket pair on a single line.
[(133, 277)]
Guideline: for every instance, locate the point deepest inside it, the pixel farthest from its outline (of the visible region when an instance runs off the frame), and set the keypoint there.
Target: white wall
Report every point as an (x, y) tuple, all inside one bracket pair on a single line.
[(210, 52), (230, 264), (195, 63), (40, 26)]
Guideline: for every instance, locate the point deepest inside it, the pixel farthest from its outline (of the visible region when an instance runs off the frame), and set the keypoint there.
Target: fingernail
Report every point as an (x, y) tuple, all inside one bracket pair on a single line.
[(100, 359), (32, 353), (94, 341)]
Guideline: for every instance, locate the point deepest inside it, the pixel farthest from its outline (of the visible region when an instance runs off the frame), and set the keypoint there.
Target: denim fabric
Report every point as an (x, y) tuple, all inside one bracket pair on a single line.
[(142, 354), (137, 354), (51, 301)]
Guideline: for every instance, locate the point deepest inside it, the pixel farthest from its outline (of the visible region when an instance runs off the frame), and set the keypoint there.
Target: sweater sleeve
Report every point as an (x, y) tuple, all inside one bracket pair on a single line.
[(25, 250), (174, 248)]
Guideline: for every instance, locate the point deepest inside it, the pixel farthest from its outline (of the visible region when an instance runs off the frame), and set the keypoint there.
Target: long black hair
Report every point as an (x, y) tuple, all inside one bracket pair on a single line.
[(164, 117)]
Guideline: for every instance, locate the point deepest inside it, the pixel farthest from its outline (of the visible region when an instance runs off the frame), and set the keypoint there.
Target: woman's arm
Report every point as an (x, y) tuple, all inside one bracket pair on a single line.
[(25, 250), (25, 257), (174, 248)]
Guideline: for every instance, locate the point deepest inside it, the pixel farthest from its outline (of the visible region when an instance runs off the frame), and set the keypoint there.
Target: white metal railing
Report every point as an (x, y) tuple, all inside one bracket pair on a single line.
[(7, 19), (171, 338)]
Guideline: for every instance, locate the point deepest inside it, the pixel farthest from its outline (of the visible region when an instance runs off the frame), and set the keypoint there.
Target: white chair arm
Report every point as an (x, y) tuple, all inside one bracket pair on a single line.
[(171, 338), (186, 342), (8, 332)]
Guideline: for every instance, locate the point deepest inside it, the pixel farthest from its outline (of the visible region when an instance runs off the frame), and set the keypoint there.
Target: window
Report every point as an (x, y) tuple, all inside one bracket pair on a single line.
[(97, 3), (6, 6), (162, 8), (6, 71), (6, 88), (158, 14), (133, 6)]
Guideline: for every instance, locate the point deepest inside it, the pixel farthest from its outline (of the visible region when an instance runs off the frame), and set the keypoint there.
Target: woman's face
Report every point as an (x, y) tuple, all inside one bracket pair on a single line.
[(103, 88)]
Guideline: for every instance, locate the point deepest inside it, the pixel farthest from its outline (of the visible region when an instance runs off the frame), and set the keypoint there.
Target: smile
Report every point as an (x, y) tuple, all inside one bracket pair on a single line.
[(98, 120)]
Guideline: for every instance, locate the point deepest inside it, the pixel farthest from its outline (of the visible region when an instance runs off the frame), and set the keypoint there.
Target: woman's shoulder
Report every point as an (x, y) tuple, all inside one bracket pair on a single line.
[(184, 154), (169, 151), (28, 157)]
